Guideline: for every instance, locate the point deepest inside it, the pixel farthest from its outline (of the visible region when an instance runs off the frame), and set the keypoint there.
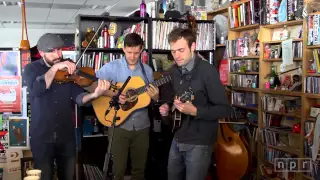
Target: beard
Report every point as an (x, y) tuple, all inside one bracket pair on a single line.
[(51, 61)]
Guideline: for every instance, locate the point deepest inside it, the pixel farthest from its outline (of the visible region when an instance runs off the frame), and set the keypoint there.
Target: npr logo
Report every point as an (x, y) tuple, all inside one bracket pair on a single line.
[(292, 164)]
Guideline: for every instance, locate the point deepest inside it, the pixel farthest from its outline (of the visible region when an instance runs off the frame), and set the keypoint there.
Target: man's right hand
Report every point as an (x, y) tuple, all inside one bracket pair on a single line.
[(71, 67), (164, 110), (122, 99)]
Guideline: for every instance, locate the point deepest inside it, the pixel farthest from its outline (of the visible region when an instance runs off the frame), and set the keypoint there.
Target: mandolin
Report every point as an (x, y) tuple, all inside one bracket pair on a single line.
[(177, 117), (24, 43), (137, 98)]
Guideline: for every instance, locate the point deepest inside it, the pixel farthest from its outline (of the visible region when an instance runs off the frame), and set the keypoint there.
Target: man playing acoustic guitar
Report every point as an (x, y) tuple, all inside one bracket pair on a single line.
[(191, 148), (133, 133)]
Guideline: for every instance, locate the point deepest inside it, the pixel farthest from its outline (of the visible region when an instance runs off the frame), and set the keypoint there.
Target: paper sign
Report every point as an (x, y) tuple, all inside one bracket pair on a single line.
[(10, 94)]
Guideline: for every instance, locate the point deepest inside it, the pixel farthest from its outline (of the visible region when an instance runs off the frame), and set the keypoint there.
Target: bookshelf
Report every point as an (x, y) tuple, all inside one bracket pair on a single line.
[(298, 145), (154, 32)]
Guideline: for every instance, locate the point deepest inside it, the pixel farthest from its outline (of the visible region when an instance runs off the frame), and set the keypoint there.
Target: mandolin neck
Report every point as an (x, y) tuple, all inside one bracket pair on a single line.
[(156, 83)]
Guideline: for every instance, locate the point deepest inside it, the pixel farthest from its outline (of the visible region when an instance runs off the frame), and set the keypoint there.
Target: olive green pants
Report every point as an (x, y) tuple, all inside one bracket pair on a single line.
[(137, 142)]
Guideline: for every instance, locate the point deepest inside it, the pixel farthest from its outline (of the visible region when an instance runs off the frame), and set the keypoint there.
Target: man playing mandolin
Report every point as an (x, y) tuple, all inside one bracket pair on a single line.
[(191, 148), (133, 134), (52, 127)]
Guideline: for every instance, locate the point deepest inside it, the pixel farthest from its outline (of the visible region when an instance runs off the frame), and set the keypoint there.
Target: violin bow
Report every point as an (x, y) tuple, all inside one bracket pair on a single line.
[(95, 34)]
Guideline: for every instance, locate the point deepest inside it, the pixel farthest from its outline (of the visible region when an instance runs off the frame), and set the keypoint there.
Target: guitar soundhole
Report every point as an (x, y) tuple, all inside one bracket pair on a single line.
[(132, 100)]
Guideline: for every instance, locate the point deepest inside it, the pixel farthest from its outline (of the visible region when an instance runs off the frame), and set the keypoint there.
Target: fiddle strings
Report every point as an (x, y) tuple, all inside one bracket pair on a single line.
[(95, 34)]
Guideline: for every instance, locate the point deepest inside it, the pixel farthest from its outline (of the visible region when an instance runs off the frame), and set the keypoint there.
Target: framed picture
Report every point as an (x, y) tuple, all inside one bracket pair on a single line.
[(19, 132)]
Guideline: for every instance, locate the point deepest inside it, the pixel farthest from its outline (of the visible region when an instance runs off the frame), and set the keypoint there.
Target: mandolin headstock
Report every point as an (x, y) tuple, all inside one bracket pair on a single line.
[(187, 95)]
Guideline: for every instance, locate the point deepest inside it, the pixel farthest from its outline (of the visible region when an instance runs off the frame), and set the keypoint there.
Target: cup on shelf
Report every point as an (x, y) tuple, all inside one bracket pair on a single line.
[(31, 178), (34, 172)]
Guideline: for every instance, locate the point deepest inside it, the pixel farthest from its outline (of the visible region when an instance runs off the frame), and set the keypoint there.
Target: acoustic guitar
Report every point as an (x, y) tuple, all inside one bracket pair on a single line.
[(177, 117), (137, 98)]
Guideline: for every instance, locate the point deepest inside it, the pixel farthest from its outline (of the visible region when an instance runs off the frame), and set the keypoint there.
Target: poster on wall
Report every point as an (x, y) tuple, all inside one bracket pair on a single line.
[(10, 94), (19, 132), (10, 63)]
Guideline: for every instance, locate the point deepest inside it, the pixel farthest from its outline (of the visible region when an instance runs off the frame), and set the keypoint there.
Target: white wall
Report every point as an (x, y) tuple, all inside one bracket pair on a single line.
[(11, 37)]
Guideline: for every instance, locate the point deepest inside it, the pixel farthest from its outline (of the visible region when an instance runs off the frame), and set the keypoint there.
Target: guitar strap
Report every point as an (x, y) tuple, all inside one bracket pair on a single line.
[(144, 72)]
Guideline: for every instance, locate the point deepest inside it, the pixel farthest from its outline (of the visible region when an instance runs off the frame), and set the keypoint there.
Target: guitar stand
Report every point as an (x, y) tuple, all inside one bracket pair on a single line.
[(108, 174)]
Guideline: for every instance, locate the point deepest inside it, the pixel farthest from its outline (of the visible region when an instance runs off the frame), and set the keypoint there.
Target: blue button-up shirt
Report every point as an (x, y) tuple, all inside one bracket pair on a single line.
[(118, 71), (51, 109)]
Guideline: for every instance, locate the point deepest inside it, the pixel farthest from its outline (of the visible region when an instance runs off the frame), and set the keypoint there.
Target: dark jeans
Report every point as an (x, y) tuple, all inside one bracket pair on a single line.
[(64, 154), (189, 162), (135, 142)]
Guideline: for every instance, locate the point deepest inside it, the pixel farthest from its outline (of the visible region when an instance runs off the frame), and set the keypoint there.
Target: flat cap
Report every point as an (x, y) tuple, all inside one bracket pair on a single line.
[(48, 42)]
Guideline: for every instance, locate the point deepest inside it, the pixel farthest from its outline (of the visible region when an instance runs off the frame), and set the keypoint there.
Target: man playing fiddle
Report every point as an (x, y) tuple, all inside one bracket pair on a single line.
[(52, 135)]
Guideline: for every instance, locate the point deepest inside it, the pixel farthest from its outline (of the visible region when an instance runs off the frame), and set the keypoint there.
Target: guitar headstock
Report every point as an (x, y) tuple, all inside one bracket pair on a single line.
[(187, 95)]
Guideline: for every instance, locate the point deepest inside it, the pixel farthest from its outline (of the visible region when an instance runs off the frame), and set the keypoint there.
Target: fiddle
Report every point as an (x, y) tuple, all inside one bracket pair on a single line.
[(83, 76)]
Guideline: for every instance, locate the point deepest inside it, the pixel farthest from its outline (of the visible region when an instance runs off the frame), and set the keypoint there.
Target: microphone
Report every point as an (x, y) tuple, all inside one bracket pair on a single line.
[(115, 98)]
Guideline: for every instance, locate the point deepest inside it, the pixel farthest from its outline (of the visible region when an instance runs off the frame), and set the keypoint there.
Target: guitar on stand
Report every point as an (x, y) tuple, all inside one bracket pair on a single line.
[(177, 116)]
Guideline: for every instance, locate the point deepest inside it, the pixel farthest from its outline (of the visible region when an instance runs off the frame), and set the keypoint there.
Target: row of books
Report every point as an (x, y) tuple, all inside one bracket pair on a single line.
[(313, 29), (285, 104), (272, 51), (243, 66), (161, 30), (270, 156), (246, 81), (248, 99), (312, 85), (308, 125), (244, 14), (315, 66), (275, 11), (97, 59), (242, 47)]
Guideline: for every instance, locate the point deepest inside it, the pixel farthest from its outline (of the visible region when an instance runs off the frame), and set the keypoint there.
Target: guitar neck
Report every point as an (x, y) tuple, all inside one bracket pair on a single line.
[(156, 83)]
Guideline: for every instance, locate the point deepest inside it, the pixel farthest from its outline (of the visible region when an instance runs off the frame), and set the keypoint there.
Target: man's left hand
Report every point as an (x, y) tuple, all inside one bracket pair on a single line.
[(102, 87), (186, 108), (153, 92)]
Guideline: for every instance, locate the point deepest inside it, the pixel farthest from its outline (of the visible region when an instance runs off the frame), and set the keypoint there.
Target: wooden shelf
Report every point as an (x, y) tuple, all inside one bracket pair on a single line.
[(313, 46), (280, 41), (313, 74), (246, 107), (244, 89), (283, 114), (244, 57), (218, 11), (281, 24), (239, 2), (266, 37), (244, 73), (280, 59), (281, 92), (220, 45), (243, 28), (312, 96)]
